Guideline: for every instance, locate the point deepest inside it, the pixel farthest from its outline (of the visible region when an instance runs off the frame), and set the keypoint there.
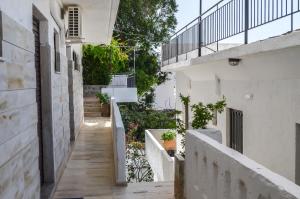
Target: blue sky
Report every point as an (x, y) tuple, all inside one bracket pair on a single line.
[(189, 10)]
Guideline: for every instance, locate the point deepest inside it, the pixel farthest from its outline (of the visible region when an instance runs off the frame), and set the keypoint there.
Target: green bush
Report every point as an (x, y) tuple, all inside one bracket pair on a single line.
[(169, 135), (205, 113), (101, 62), (103, 98), (137, 119)]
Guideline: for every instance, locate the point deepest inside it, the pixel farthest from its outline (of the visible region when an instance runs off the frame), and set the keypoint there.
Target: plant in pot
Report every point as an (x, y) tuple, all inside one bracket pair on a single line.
[(169, 138), (105, 104)]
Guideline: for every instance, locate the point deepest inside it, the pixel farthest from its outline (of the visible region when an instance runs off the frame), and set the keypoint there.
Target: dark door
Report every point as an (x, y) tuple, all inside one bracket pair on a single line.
[(236, 130), (37, 58)]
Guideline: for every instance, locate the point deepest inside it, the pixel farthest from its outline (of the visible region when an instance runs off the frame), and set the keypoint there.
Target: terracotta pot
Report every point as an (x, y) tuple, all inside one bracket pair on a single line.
[(170, 144), (105, 110)]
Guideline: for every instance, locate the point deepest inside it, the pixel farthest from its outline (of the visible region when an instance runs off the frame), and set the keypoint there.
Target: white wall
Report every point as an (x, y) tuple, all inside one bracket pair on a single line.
[(165, 94), (121, 94), (161, 163), (119, 144), (270, 114), (213, 170)]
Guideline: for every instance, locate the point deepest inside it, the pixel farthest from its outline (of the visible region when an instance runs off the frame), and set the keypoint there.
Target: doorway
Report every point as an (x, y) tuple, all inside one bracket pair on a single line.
[(236, 130), (37, 62)]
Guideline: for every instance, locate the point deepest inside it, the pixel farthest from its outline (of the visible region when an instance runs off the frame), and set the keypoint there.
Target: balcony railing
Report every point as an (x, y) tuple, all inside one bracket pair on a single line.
[(226, 19)]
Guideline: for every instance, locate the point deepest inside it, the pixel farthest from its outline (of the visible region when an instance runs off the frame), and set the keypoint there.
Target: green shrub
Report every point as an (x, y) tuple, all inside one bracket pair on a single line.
[(169, 135), (103, 98), (100, 62), (205, 113), (137, 119)]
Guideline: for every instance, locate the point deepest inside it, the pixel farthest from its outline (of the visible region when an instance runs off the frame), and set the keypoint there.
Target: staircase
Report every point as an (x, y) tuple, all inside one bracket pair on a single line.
[(92, 107)]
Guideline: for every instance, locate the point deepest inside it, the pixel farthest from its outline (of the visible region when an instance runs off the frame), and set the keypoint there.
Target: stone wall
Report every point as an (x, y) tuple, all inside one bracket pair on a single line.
[(19, 172), (19, 145), (213, 170)]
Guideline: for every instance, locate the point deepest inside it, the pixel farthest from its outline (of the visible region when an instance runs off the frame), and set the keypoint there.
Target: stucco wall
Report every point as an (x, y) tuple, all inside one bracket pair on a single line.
[(165, 94), (266, 88), (119, 144), (161, 163), (213, 170)]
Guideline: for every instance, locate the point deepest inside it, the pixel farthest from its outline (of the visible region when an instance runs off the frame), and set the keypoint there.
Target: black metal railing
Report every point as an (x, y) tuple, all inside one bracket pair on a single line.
[(226, 19)]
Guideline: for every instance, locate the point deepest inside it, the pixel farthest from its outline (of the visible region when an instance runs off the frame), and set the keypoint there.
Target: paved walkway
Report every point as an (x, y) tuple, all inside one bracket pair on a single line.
[(89, 173)]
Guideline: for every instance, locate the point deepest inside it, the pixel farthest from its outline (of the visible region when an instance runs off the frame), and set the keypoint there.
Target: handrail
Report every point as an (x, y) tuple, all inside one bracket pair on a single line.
[(197, 18), (229, 19)]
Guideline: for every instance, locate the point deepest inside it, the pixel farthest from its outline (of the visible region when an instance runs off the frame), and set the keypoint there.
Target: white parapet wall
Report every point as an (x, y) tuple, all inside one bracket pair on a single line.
[(119, 144), (161, 163), (122, 94), (214, 171)]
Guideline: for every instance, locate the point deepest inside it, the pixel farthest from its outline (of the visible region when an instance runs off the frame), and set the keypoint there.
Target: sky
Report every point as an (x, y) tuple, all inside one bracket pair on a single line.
[(189, 10)]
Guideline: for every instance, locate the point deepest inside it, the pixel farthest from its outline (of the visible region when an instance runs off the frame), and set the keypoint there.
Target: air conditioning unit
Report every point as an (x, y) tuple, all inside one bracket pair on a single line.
[(74, 23)]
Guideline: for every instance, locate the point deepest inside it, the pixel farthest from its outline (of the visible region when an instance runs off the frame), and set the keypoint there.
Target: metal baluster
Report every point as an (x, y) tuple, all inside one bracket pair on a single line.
[(246, 21)]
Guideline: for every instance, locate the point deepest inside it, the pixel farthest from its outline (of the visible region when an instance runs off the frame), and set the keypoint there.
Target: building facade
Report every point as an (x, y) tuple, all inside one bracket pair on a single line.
[(260, 81), (41, 91)]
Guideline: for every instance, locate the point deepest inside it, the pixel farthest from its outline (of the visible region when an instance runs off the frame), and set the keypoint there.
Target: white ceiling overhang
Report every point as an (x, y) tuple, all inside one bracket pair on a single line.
[(98, 19)]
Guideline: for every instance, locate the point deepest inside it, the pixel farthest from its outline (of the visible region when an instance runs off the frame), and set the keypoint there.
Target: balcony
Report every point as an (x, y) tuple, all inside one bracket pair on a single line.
[(223, 21)]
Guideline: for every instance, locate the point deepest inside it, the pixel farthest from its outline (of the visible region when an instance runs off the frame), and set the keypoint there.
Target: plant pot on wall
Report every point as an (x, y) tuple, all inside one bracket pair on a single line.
[(105, 110), (170, 145)]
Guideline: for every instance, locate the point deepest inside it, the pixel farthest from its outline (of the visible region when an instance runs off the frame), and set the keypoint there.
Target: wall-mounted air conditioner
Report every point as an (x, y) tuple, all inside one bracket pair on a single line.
[(74, 23)]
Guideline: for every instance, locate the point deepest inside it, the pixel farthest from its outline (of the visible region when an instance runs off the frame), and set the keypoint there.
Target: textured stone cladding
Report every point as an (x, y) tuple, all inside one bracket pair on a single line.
[(19, 171), (19, 148)]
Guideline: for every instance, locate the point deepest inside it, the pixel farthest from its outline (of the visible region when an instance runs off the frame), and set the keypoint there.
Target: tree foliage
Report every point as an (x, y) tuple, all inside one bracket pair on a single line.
[(145, 24), (100, 62)]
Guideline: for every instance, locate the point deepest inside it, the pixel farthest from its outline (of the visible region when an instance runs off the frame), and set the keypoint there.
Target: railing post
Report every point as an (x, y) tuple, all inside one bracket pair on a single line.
[(176, 48), (200, 29), (246, 20), (292, 16), (168, 52)]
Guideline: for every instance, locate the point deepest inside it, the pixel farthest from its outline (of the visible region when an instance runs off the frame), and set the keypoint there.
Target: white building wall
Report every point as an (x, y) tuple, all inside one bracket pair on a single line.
[(218, 172), (165, 94), (266, 88)]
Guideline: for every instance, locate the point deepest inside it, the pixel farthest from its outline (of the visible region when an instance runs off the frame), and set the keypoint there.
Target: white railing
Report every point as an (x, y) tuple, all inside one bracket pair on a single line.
[(119, 144), (161, 163), (213, 170)]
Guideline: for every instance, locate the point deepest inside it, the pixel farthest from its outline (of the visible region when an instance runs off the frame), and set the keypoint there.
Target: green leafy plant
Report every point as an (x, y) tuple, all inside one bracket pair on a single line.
[(169, 135), (185, 99), (100, 62), (137, 118), (103, 98), (138, 167), (205, 113)]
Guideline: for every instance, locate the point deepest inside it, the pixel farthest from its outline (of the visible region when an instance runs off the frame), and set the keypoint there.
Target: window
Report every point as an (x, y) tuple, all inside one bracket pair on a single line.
[(236, 130), (56, 52), (75, 60)]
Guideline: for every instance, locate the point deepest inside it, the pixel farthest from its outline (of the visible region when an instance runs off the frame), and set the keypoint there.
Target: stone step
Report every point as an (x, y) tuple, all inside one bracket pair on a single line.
[(92, 114), (89, 102), (92, 109)]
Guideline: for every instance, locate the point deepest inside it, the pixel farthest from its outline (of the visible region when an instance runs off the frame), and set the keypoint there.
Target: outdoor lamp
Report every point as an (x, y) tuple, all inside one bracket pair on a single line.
[(234, 61)]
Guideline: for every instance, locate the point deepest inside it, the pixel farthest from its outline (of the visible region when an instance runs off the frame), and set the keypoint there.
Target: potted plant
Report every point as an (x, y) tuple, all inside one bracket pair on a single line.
[(169, 138), (105, 104)]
